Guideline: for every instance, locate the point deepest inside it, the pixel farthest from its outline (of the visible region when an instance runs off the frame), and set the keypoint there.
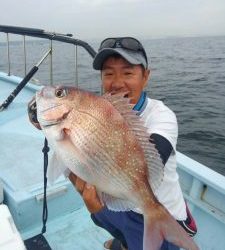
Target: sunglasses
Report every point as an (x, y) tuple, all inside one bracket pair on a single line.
[(129, 43)]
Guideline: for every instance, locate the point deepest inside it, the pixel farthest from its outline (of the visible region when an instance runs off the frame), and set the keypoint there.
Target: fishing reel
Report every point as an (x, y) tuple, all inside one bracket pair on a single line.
[(32, 113)]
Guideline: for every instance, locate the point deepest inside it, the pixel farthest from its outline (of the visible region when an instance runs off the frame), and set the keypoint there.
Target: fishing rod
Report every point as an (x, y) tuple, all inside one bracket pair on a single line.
[(25, 80)]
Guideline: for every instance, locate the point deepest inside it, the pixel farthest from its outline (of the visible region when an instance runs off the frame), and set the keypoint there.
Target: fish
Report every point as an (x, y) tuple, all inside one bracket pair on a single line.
[(102, 140)]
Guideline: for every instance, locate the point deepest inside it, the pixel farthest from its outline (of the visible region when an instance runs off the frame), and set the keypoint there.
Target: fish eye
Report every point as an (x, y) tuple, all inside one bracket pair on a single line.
[(60, 93)]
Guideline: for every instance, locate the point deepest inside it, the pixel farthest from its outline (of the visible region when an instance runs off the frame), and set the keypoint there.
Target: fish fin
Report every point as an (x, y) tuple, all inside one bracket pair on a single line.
[(119, 101), (159, 225), (56, 168), (136, 125), (116, 204)]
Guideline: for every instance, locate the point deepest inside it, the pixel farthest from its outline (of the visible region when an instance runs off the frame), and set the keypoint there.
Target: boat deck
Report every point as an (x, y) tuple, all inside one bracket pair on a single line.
[(73, 231)]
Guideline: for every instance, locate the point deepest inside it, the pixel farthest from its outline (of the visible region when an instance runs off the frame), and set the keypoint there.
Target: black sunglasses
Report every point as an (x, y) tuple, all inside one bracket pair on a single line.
[(129, 43)]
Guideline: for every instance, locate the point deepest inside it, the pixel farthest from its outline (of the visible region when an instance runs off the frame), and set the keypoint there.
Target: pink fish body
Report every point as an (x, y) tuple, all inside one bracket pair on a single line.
[(103, 141)]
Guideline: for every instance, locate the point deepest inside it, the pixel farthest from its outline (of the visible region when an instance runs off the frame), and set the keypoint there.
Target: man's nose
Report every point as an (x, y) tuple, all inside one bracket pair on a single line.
[(117, 82)]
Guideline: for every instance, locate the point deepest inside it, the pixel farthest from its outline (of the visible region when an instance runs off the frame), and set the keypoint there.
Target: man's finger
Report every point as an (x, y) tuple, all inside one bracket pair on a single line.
[(80, 184), (72, 178), (91, 199), (77, 182)]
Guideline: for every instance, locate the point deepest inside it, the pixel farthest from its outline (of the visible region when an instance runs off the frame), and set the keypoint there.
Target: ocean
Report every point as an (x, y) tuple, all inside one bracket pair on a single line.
[(188, 74)]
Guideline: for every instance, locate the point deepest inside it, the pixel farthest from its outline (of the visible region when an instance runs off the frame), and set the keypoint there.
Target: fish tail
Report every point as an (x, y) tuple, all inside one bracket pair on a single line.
[(159, 225)]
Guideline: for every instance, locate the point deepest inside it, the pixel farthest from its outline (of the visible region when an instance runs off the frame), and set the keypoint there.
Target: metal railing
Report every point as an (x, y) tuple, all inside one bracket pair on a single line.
[(40, 33)]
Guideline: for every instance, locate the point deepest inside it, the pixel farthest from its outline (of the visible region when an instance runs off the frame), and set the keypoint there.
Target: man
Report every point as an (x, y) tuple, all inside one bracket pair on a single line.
[(124, 69)]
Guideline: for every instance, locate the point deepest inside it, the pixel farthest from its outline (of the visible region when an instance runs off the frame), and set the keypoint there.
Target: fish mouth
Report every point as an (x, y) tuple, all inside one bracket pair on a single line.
[(52, 106), (47, 122)]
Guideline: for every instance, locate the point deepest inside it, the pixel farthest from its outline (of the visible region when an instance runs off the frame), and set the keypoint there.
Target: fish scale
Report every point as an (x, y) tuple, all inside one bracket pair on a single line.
[(108, 166), (103, 157)]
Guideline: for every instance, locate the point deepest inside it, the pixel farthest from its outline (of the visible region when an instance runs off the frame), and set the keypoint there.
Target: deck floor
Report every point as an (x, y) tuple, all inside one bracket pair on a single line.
[(73, 231)]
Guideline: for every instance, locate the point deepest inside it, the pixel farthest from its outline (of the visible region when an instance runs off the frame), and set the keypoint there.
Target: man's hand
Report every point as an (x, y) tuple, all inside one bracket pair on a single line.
[(88, 193)]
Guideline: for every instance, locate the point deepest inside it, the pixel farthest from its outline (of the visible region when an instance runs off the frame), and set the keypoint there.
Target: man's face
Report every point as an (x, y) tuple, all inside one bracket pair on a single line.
[(120, 76)]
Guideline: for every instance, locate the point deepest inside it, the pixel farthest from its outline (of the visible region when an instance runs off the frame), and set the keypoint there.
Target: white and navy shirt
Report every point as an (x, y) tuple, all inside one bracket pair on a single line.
[(162, 125)]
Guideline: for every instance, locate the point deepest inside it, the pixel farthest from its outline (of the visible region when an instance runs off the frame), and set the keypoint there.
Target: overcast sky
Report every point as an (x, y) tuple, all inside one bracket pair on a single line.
[(88, 19)]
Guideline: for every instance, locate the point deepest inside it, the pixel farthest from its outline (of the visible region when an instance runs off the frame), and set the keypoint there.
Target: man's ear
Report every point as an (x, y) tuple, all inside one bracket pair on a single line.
[(146, 77)]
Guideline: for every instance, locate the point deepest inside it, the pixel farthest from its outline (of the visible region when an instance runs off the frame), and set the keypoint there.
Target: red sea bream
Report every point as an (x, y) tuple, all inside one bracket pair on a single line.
[(103, 141)]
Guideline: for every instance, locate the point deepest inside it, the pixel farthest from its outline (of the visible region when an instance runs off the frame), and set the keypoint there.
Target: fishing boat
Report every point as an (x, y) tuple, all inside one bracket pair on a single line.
[(36, 215)]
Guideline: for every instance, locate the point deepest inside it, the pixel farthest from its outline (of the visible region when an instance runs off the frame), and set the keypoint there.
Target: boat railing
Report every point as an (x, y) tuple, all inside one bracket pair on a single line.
[(51, 36)]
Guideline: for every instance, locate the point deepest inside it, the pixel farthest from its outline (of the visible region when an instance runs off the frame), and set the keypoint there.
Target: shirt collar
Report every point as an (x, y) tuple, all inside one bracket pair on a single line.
[(141, 104)]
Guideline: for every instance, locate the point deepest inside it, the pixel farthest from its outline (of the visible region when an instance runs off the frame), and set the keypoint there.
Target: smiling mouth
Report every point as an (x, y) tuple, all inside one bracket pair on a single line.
[(125, 93)]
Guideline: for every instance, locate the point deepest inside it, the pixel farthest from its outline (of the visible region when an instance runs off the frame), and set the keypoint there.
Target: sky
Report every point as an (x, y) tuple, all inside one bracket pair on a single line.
[(97, 19)]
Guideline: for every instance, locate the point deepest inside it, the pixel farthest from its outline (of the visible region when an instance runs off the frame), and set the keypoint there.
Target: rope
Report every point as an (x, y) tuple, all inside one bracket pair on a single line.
[(45, 151)]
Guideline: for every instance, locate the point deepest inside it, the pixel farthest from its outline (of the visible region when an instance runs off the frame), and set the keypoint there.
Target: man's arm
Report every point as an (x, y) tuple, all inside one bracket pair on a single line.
[(163, 146)]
